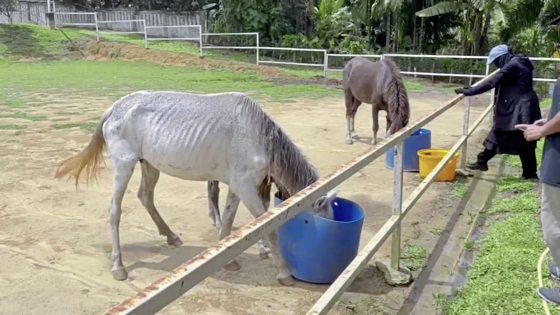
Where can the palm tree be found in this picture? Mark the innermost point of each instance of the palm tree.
(476, 15)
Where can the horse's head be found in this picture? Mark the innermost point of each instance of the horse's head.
(323, 206)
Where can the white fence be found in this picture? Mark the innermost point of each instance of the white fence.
(164, 291)
(244, 47)
(174, 33)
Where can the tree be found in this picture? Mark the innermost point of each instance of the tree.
(7, 8)
(476, 16)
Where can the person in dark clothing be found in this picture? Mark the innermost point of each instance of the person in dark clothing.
(515, 102)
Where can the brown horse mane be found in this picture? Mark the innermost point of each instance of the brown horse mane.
(397, 98)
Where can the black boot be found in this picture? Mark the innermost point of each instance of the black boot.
(482, 159)
(477, 166)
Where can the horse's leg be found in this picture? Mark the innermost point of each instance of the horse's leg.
(375, 117)
(356, 103)
(150, 176)
(388, 126)
(213, 204)
(124, 163)
(350, 113)
(248, 193)
(232, 203)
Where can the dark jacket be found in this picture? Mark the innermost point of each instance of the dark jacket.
(515, 100)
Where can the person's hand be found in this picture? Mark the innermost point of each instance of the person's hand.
(460, 90)
(464, 90)
(540, 122)
(532, 132)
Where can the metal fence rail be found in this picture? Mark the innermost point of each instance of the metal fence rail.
(132, 29)
(59, 20)
(244, 47)
(164, 291)
(322, 65)
(181, 37)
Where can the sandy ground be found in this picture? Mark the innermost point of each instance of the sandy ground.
(55, 240)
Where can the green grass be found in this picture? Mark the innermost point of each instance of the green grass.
(12, 127)
(117, 78)
(460, 190)
(503, 277)
(25, 116)
(34, 41)
(546, 103)
(414, 257)
(514, 185)
(437, 231)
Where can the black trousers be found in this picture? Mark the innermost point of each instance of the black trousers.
(528, 160)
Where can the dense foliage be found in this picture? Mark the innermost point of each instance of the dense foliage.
(466, 27)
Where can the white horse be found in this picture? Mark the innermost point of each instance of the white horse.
(222, 137)
(229, 215)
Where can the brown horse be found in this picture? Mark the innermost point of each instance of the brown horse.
(378, 84)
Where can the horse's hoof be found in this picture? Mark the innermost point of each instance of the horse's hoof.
(286, 280)
(232, 266)
(349, 141)
(120, 274)
(174, 241)
(355, 136)
(264, 255)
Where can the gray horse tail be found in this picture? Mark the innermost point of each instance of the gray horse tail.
(397, 98)
(91, 157)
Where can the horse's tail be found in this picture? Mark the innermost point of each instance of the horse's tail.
(399, 108)
(91, 157)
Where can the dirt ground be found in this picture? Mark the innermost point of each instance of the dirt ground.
(55, 240)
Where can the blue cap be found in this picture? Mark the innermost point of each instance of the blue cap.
(496, 52)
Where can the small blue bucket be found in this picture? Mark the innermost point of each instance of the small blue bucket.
(316, 249)
(420, 140)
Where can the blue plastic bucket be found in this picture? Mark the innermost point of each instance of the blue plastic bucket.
(316, 249)
(420, 140)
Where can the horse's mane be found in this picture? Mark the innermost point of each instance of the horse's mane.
(398, 106)
(289, 168)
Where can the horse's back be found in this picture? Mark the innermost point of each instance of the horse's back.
(362, 79)
(182, 134)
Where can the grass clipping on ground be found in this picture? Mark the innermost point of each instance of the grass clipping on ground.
(503, 278)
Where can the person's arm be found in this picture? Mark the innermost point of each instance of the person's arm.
(507, 70)
(535, 132)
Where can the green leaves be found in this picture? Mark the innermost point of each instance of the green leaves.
(443, 8)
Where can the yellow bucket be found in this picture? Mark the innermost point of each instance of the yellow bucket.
(429, 159)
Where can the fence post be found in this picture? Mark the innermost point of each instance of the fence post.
(466, 119)
(96, 26)
(145, 34)
(200, 39)
(258, 49)
(325, 63)
(397, 204)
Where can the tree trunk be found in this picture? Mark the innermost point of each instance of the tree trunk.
(420, 40)
(477, 30)
(465, 34)
(484, 38)
(414, 37)
(395, 32)
(368, 23)
(388, 33)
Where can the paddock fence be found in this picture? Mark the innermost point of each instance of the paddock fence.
(164, 291)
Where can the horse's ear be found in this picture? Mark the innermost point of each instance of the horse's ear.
(320, 203)
(325, 200)
(331, 195)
